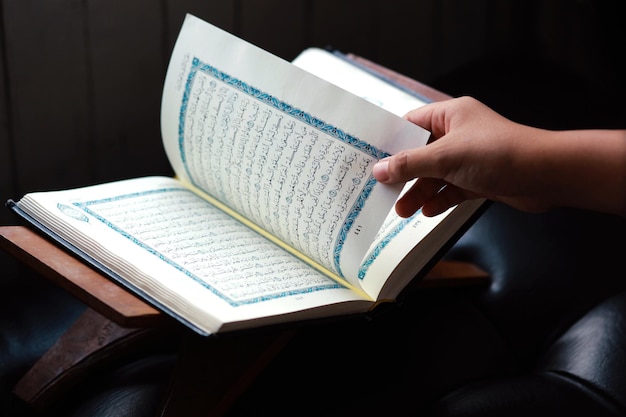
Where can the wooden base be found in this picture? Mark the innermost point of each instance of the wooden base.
(79, 279)
(91, 343)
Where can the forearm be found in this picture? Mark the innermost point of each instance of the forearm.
(586, 169)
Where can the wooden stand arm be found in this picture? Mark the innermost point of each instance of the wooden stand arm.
(89, 286)
(91, 343)
(391, 75)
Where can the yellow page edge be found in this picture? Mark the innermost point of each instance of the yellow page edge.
(215, 202)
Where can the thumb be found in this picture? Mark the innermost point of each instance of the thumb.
(409, 164)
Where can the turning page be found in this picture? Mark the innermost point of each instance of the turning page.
(280, 147)
(403, 246)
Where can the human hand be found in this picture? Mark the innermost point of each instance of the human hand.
(474, 152)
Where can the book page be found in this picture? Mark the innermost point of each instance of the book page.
(396, 239)
(405, 246)
(282, 147)
(331, 67)
(397, 236)
(183, 252)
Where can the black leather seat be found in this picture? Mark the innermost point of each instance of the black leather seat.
(559, 300)
(580, 374)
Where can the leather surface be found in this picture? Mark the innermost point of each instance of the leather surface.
(593, 350)
(535, 394)
(136, 389)
(547, 269)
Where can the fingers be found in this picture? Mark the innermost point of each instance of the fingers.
(381, 171)
(434, 117)
(414, 163)
(409, 164)
(420, 192)
(422, 116)
(447, 197)
(432, 196)
(435, 164)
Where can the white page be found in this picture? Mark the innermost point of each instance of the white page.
(191, 257)
(220, 61)
(346, 75)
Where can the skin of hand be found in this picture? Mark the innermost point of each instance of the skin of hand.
(475, 152)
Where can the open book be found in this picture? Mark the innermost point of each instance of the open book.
(273, 215)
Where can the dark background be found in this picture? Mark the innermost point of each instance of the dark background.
(80, 80)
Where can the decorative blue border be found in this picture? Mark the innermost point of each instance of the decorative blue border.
(85, 207)
(375, 252)
(290, 111)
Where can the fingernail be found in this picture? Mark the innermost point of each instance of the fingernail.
(381, 170)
